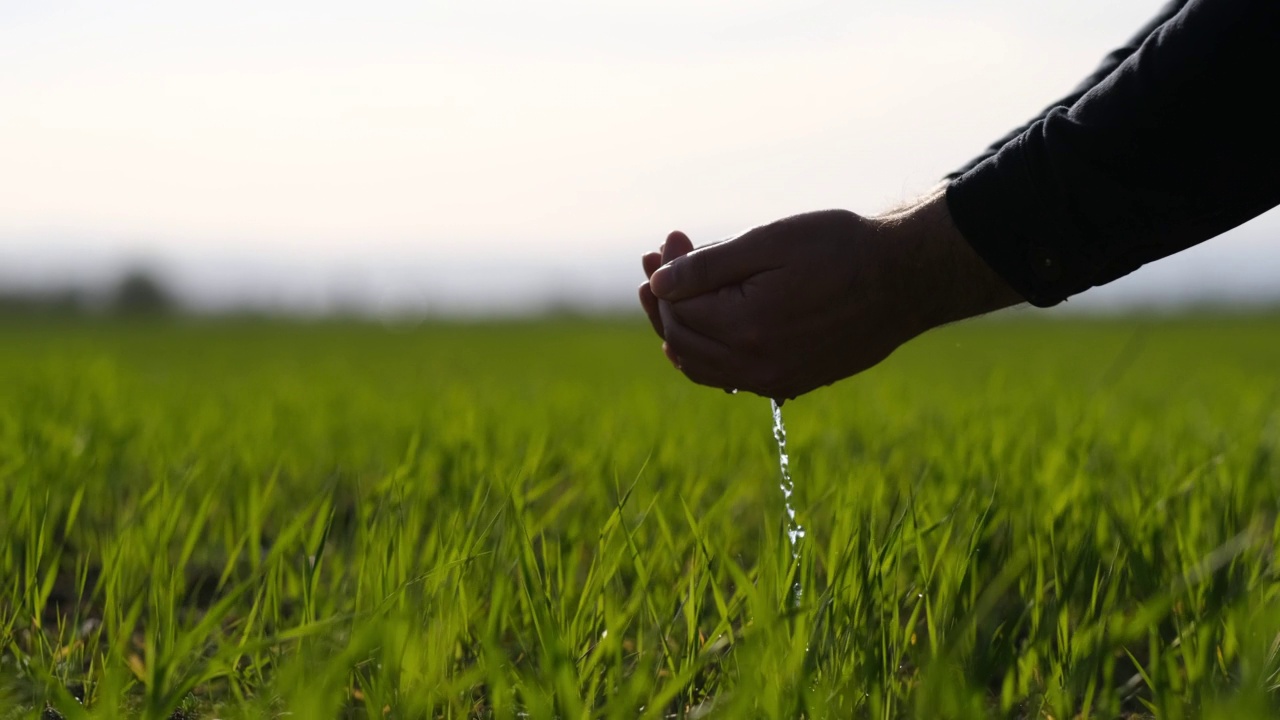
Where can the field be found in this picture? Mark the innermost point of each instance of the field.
(1019, 518)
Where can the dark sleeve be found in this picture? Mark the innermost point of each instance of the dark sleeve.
(1177, 144)
(1109, 63)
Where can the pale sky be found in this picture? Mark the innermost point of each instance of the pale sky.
(489, 154)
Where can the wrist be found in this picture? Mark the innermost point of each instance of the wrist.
(945, 280)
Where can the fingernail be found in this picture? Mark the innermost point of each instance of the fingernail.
(663, 280)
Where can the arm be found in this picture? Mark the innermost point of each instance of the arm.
(1176, 145)
(1105, 68)
(1173, 146)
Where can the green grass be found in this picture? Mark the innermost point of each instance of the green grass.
(1024, 518)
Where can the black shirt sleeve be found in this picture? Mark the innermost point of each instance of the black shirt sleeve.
(1174, 144)
(1109, 63)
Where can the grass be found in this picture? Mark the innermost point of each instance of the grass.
(1019, 518)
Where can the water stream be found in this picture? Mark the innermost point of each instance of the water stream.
(795, 531)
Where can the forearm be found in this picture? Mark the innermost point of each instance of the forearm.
(1100, 73)
(1176, 146)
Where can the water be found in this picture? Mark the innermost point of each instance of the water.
(795, 531)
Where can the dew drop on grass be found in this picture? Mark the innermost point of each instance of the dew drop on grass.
(795, 531)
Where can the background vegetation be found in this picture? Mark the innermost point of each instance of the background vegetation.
(1015, 518)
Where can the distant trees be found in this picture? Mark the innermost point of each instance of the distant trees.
(138, 293)
(51, 302)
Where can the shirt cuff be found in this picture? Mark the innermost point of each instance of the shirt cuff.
(995, 208)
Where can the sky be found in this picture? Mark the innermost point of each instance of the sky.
(499, 156)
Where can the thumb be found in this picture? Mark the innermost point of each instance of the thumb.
(710, 268)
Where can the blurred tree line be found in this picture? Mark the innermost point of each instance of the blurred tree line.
(138, 293)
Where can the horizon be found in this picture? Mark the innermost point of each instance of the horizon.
(488, 158)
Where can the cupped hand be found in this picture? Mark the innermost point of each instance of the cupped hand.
(800, 303)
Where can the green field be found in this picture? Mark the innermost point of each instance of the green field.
(1022, 518)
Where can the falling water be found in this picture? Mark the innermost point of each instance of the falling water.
(795, 531)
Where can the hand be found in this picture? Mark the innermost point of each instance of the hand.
(805, 301)
(677, 245)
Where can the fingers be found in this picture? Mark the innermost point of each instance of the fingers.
(712, 267)
(649, 302)
(722, 314)
(702, 359)
(695, 355)
(671, 355)
(677, 245)
(651, 261)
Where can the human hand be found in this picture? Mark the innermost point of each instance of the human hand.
(676, 245)
(803, 302)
